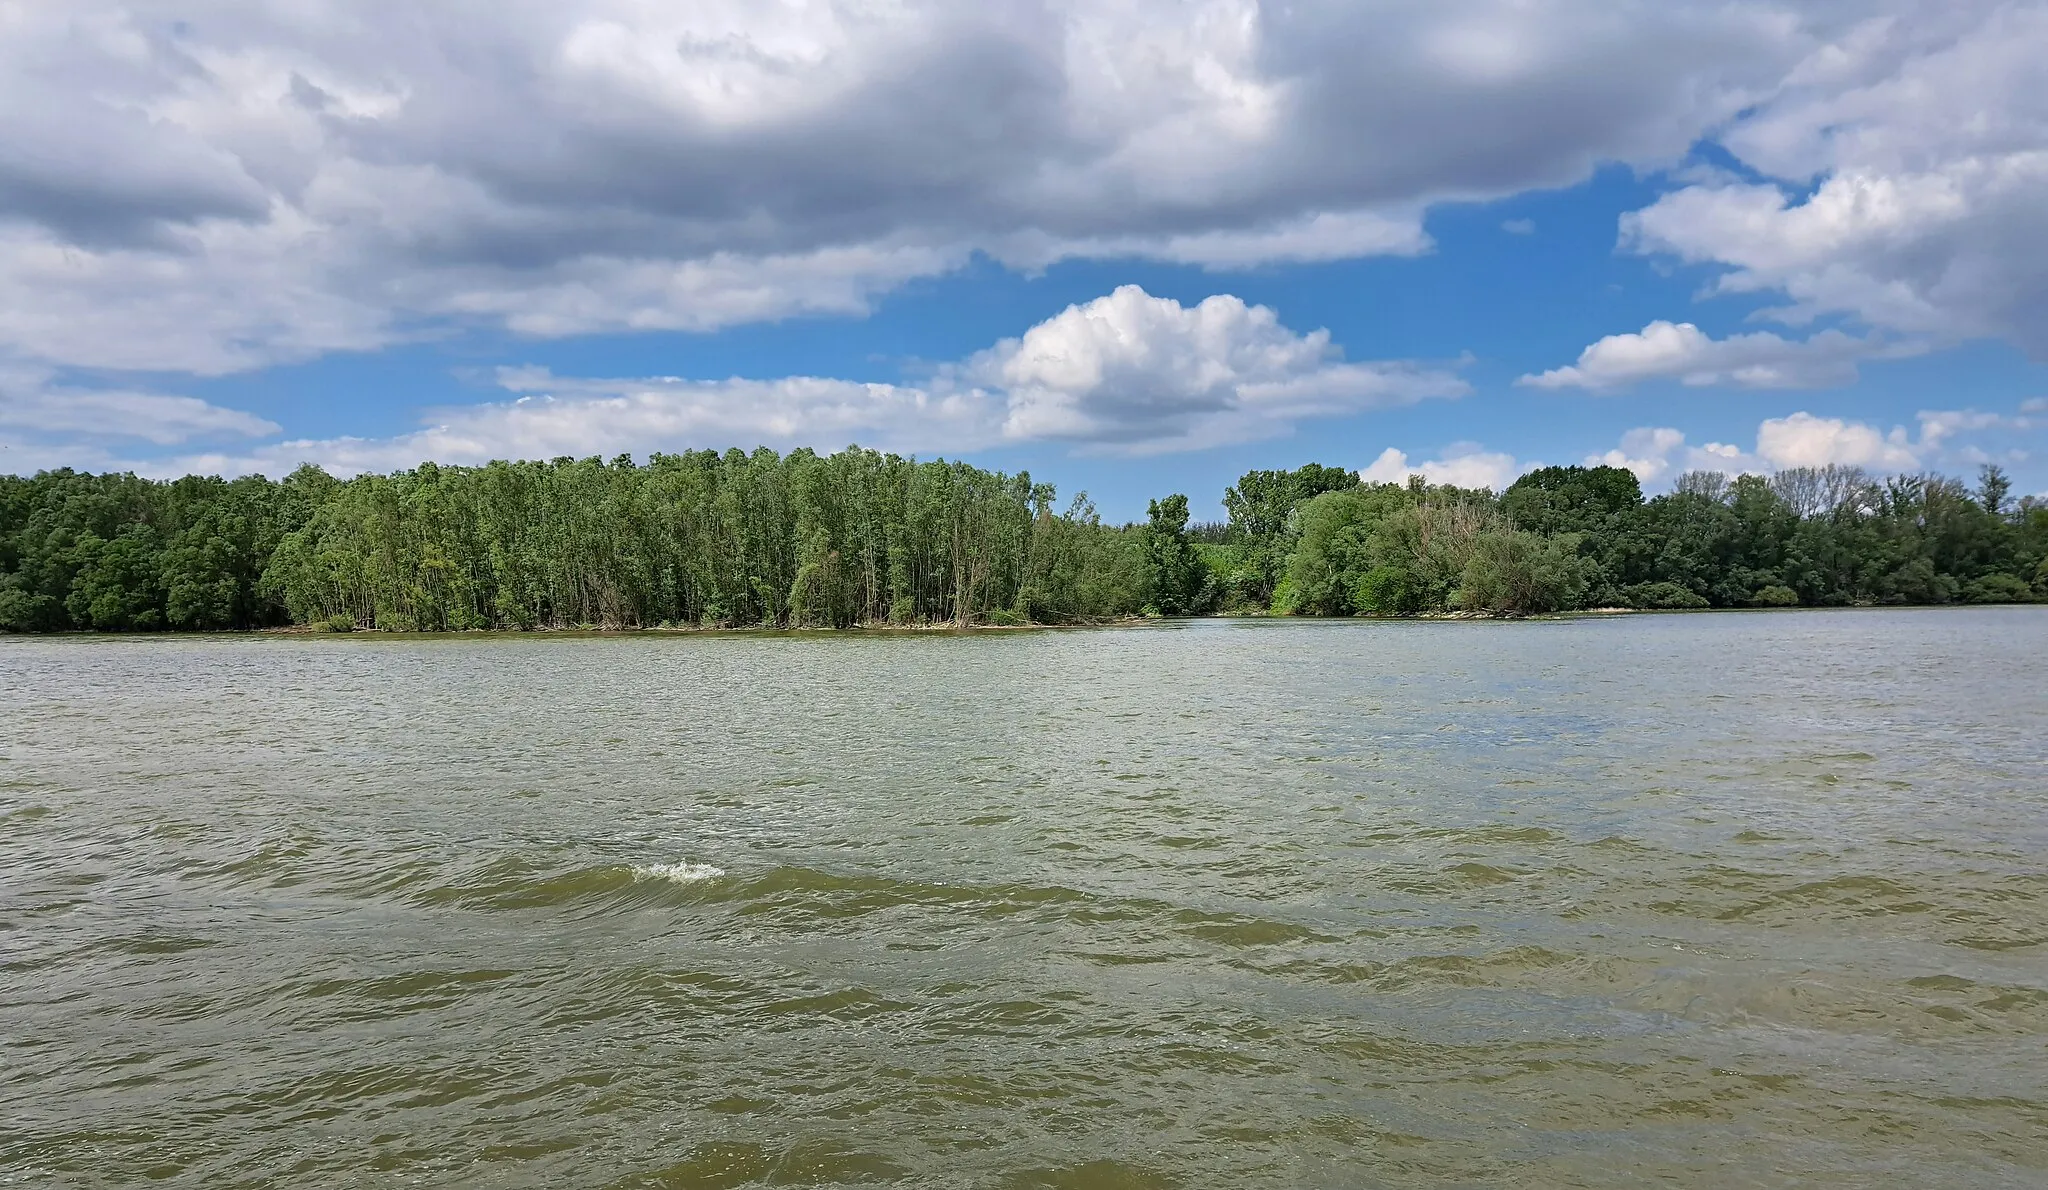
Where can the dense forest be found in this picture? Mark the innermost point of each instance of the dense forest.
(859, 538)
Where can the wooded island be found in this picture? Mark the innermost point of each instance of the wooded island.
(859, 538)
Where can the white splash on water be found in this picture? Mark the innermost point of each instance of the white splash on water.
(681, 872)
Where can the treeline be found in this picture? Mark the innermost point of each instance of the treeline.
(695, 539)
(861, 538)
(1314, 541)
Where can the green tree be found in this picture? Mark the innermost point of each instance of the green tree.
(1264, 523)
(1600, 505)
(860, 537)
(1174, 574)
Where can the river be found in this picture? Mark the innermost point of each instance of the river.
(1702, 900)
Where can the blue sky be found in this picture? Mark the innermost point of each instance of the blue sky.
(1664, 237)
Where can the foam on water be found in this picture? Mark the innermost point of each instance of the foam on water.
(680, 872)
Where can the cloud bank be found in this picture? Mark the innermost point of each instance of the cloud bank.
(1126, 374)
(1660, 453)
(229, 183)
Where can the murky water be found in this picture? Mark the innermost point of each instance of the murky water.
(1700, 900)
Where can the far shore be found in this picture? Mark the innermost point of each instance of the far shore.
(950, 629)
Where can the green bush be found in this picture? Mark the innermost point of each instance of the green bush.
(1003, 617)
(1386, 591)
(1287, 598)
(1661, 597)
(1998, 588)
(1775, 596)
(341, 623)
(23, 612)
(1515, 573)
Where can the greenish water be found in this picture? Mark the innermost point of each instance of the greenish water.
(1698, 900)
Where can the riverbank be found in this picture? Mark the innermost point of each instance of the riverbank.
(950, 629)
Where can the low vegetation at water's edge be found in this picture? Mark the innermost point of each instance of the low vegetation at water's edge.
(861, 538)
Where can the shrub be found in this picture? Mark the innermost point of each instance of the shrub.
(22, 612)
(1003, 617)
(341, 623)
(1775, 596)
(1287, 598)
(1999, 588)
(1386, 591)
(1517, 573)
(1661, 597)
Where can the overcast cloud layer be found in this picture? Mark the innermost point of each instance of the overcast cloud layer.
(218, 185)
(209, 186)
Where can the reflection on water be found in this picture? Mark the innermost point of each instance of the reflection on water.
(1711, 900)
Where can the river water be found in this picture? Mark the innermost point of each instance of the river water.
(1707, 900)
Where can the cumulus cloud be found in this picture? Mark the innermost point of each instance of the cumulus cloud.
(266, 181)
(1464, 464)
(1684, 353)
(1127, 373)
(1803, 440)
(1134, 372)
(1660, 453)
(1905, 161)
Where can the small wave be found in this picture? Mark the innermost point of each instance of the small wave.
(682, 872)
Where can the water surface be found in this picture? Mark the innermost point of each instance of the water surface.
(1702, 900)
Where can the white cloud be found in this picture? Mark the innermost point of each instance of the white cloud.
(1683, 352)
(264, 181)
(1939, 425)
(1464, 464)
(1321, 237)
(1660, 453)
(563, 416)
(26, 456)
(1645, 451)
(230, 297)
(153, 417)
(1127, 373)
(1926, 127)
(1803, 440)
(1134, 372)
(591, 295)
(62, 422)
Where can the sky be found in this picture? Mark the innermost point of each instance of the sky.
(1133, 246)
